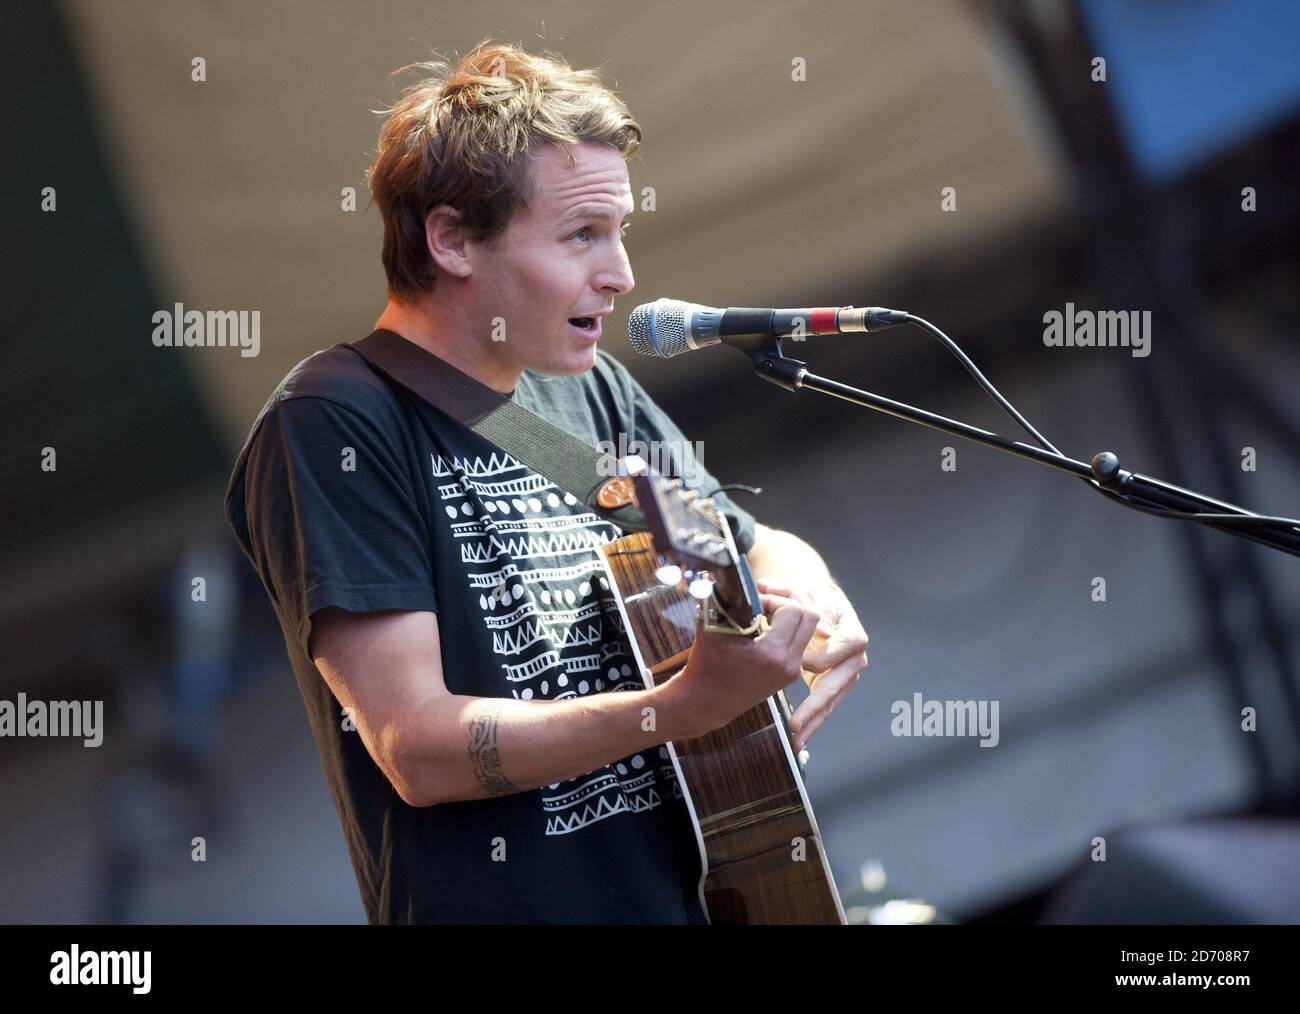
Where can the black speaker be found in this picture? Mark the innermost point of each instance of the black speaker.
(1221, 871)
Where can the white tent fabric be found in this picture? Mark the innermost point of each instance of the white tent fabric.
(766, 187)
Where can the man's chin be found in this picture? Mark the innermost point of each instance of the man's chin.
(572, 365)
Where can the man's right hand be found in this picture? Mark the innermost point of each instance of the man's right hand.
(727, 674)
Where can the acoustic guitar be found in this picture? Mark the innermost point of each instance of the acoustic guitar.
(761, 853)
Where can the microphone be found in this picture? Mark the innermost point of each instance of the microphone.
(669, 327)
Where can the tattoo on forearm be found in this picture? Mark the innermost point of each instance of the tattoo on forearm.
(483, 752)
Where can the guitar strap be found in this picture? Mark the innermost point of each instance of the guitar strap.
(539, 444)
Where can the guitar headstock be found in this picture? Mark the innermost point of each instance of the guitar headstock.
(694, 543)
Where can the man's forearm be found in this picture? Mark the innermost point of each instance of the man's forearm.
(478, 747)
(785, 559)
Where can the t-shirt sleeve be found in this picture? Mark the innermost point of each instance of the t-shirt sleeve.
(650, 423)
(332, 516)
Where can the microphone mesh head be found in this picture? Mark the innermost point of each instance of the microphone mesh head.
(659, 328)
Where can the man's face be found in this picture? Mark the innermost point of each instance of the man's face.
(561, 257)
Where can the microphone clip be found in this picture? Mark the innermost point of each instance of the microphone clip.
(769, 361)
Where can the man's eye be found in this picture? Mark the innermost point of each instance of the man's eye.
(586, 229)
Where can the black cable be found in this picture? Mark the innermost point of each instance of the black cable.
(971, 368)
(1126, 500)
(737, 486)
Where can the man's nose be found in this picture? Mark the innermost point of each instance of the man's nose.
(619, 278)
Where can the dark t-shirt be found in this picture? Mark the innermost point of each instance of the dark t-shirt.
(354, 493)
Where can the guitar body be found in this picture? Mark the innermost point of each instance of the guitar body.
(761, 852)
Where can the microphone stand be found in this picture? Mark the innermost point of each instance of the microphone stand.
(1140, 492)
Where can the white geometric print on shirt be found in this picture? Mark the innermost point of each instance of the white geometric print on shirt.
(531, 555)
(600, 796)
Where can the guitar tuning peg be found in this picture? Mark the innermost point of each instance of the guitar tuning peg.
(669, 574)
(700, 588)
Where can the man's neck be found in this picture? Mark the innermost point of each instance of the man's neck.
(448, 336)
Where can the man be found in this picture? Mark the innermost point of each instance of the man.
(444, 606)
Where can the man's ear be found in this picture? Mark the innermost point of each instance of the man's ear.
(445, 239)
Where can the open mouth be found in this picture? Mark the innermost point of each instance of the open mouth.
(588, 324)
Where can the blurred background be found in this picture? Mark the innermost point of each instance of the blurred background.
(971, 162)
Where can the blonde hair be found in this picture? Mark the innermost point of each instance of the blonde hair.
(464, 136)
